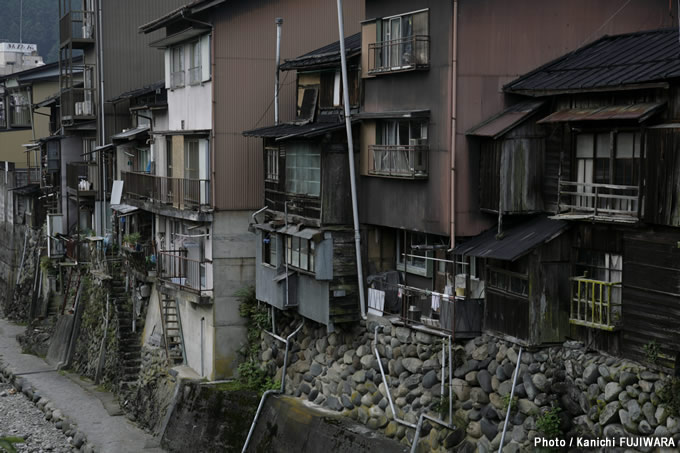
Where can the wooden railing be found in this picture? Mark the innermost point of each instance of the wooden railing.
(182, 193)
(411, 52)
(604, 200)
(175, 268)
(593, 303)
(403, 161)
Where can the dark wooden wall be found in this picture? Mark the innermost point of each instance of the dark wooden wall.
(651, 293)
(662, 194)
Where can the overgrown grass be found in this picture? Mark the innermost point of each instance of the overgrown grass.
(251, 375)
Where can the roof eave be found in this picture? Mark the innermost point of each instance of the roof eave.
(609, 88)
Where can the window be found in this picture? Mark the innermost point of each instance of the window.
(601, 160)
(330, 91)
(601, 266)
(269, 249)
(300, 253)
(3, 118)
(403, 43)
(143, 161)
(89, 144)
(191, 157)
(272, 156)
(507, 281)
(168, 157)
(195, 63)
(177, 67)
(596, 289)
(303, 169)
(19, 108)
(401, 149)
(412, 257)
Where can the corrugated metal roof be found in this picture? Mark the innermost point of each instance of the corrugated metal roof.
(610, 62)
(160, 85)
(502, 122)
(131, 134)
(328, 55)
(639, 112)
(288, 130)
(517, 240)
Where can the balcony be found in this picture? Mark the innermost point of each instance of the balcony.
(402, 54)
(82, 178)
(77, 104)
(77, 28)
(593, 303)
(181, 193)
(176, 269)
(399, 161)
(605, 202)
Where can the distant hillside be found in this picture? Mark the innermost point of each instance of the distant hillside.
(40, 25)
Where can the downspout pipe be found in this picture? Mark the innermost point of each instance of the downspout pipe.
(453, 81)
(352, 172)
(279, 23)
(276, 391)
(512, 395)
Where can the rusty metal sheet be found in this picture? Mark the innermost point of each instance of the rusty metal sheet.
(502, 122)
(638, 112)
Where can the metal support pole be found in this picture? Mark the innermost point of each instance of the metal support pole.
(350, 149)
(512, 394)
(279, 22)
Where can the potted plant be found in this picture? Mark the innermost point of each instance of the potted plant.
(130, 240)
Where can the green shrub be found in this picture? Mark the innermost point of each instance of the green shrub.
(548, 424)
(7, 443)
(651, 351)
(670, 395)
(512, 404)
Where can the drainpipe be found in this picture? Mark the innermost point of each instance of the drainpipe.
(453, 77)
(279, 22)
(512, 394)
(102, 122)
(269, 392)
(350, 149)
(285, 260)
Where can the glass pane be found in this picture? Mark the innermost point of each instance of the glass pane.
(603, 141)
(296, 252)
(624, 145)
(395, 32)
(304, 254)
(273, 244)
(584, 145)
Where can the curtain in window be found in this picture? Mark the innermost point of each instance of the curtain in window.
(303, 169)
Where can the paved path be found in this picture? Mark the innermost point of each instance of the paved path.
(107, 433)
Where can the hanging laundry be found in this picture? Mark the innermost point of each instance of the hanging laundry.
(376, 302)
(435, 301)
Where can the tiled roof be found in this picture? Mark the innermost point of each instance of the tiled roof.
(611, 62)
(328, 55)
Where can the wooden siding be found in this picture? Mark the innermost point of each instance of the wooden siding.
(662, 202)
(336, 196)
(243, 77)
(556, 160)
(651, 294)
(490, 174)
(343, 289)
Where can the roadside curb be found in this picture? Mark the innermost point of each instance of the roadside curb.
(61, 421)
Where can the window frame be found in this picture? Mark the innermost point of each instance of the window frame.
(272, 163)
(293, 255)
(192, 149)
(195, 63)
(389, 47)
(177, 67)
(408, 263)
(270, 249)
(295, 181)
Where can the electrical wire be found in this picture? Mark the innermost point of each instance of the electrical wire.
(605, 22)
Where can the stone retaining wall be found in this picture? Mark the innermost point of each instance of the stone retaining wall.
(596, 395)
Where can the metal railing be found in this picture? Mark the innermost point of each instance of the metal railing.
(78, 103)
(606, 200)
(195, 75)
(594, 303)
(20, 115)
(82, 176)
(182, 193)
(78, 25)
(174, 267)
(411, 52)
(177, 79)
(403, 161)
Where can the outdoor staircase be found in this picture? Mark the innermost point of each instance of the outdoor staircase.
(130, 348)
(172, 330)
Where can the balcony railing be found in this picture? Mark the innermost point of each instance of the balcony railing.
(177, 79)
(182, 193)
(82, 177)
(594, 303)
(20, 115)
(600, 200)
(402, 54)
(77, 27)
(78, 104)
(402, 161)
(175, 268)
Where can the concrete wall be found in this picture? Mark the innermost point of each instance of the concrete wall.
(233, 255)
(199, 349)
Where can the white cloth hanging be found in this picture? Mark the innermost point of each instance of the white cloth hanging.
(435, 301)
(376, 302)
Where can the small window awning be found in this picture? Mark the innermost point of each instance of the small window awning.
(131, 134)
(28, 189)
(639, 112)
(124, 209)
(178, 37)
(506, 120)
(517, 240)
(394, 114)
(295, 230)
(99, 148)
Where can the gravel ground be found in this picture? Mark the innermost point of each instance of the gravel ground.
(21, 418)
